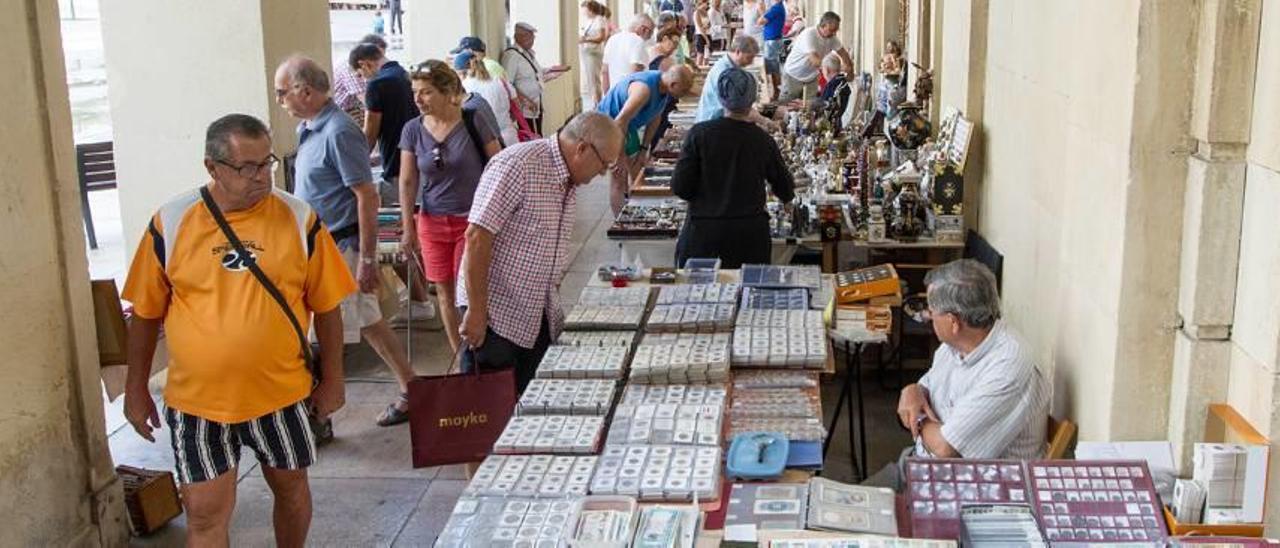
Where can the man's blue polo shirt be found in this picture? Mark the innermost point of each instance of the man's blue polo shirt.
(775, 17)
(333, 156)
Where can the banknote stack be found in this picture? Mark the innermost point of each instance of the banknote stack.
(604, 527)
(764, 506)
(666, 423)
(583, 362)
(667, 527)
(840, 507)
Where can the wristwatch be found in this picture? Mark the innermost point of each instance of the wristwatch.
(367, 260)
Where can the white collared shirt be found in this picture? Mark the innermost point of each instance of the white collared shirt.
(993, 403)
(524, 72)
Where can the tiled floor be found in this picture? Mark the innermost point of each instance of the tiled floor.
(365, 491)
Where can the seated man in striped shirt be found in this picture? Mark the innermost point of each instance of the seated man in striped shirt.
(984, 397)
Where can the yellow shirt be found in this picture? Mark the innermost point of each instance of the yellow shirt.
(233, 354)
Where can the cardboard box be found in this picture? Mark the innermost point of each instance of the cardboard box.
(1225, 425)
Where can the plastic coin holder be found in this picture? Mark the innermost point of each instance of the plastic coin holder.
(614, 296)
(774, 379)
(678, 424)
(758, 298)
(567, 397)
(781, 276)
(776, 402)
(680, 362)
(793, 319)
(557, 434)
(597, 338)
(585, 317)
(635, 394)
(795, 429)
(583, 362)
(652, 473)
(699, 294)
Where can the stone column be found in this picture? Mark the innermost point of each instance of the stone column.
(168, 83)
(1221, 112)
(960, 81)
(59, 484)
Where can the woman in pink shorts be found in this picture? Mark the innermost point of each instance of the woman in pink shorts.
(442, 153)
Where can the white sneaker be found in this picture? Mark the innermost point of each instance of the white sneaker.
(423, 314)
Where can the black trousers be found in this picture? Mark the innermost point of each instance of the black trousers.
(499, 353)
(535, 124)
(735, 242)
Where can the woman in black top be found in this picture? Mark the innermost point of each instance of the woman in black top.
(724, 164)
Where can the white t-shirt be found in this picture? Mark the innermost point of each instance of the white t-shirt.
(750, 23)
(718, 23)
(807, 42)
(621, 52)
(495, 92)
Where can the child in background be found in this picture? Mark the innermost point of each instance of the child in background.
(379, 25)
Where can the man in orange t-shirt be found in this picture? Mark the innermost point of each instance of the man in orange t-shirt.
(236, 374)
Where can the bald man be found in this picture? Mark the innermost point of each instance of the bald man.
(636, 104)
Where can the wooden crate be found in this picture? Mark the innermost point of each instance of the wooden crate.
(151, 497)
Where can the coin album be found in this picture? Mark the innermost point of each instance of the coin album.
(635, 394)
(567, 397)
(835, 506)
(614, 296)
(776, 402)
(767, 506)
(769, 378)
(659, 472)
(795, 429)
(584, 317)
(556, 434)
(774, 347)
(583, 362)
(532, 476)
(781, 276)
(597, 338)
(713, 293)
(666, 423)
(515, 522)
(691, 318)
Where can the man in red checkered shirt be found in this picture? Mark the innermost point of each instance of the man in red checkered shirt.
(517, 243)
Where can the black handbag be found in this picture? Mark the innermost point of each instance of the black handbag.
(322, 428)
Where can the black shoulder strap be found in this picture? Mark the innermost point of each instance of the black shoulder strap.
(526, 58)
(252, 264)
(469, 120)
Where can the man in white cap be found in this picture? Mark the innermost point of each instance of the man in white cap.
(524, 72)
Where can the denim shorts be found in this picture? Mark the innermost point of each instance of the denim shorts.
(773, 56)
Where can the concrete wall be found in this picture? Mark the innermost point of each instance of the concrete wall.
(167, 85)
(56, 476)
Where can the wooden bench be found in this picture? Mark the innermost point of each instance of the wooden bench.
(96, 166)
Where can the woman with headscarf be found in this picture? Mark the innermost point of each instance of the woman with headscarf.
(723, 167)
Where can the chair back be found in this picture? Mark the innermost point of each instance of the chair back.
(96, 165)
(1061, 438)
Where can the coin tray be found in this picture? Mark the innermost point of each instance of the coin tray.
(760, 298)
(555, 434)
(659, 472)
(635, 394)
(597, 338)
(691, 318)
(583, 362)
(567, 397)
(780, 276)
(936, 488)
(534, 476)
(774, 347)
(682, 362)
(764, 378)
(584, 317)
(781, 319)
(776, 403)
(794, 428)
(1096, 501)
(614, 296)
(514, 522)
(666, 423)
(714, 293)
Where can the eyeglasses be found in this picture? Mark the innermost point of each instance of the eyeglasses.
(596, 151)
(436, 158)
(280, 93)
(250, 170)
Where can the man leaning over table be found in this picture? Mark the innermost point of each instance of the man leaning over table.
(984, 397)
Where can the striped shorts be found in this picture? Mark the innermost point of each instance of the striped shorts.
(205, 449)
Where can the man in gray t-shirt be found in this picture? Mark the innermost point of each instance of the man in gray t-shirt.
(332, 174)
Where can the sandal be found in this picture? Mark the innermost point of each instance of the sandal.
(392, 415)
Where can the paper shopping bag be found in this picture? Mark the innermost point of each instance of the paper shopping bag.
(456, 418)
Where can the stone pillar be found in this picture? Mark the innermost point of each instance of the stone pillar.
(59, 484)
(959, 81)
(1221, 112)
(432, 28)
(169, 82)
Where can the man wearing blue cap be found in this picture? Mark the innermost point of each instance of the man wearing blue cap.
(476, 46)
(723, 167)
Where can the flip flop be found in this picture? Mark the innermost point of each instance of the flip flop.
(392, 415)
